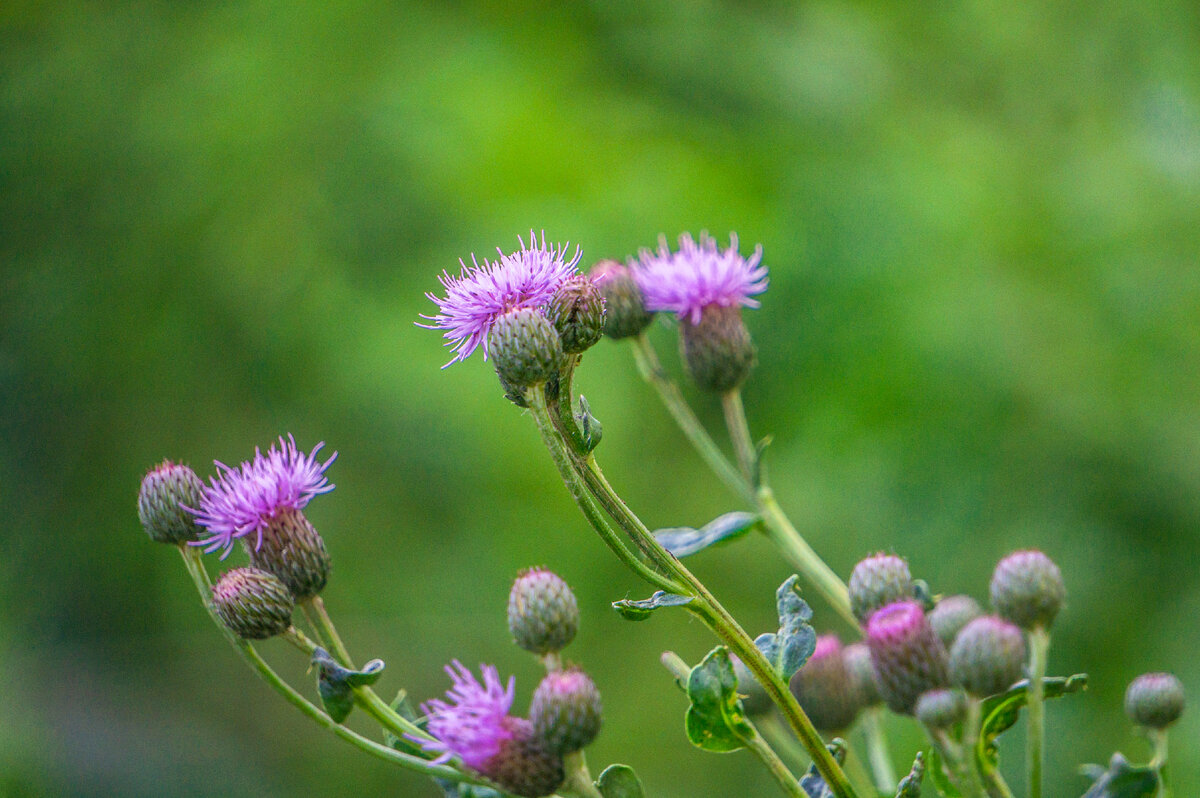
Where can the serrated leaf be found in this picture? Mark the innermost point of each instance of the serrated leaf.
(641, 609)
(812, 782)
(715, 721)
(1123, 780)
(683, 540)
(619, 781)
(336, 683)
(910, 785)
(589, 426)
(939, 776)
(1001, 711)
(794, 643)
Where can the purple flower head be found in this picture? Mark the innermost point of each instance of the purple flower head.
(474, 724)
(698, 276)
(241, 501)
(479, 295)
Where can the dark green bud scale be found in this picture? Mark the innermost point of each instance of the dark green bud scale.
(566, 711)
(293, 551)
(1027, 589)
(165, 492)
(625, 313)
(876, 581)
(543, 615)
(717, 349)
(252, 603)
(577, 312)
(1154, 700)
(524, 765)
(525, 348)
(988, 656)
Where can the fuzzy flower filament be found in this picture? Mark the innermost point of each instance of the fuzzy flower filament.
(699, 276)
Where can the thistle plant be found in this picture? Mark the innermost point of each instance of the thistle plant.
(783, 694)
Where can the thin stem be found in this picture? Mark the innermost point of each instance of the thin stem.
(652, 371)
(967, 766)
(561, 406)
(578, 781)
(203, 585)
(758, 746)
(739, 432)
(1158, 738)
(1039, 648)
(877, 751)
(781, 739)
(856, 772)
(325, 625)
(308, 617)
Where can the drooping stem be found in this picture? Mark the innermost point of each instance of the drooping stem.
(1039, 647)
(882, 770)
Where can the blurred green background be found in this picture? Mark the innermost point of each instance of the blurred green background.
(218, 220)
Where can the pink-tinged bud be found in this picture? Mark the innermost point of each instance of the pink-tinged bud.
(293, 551)
(252, 603)
(862, 673)
(166, 493)
(988, 656)
(1027, 589)
(577, 312)
(543, 614)
(909, 658)
(951, 614)
(625, 313)
(1154, 700)
(941, 709)
(824, 687)
(878, 580)
(566, 711)
(525, 348)
(523, 765)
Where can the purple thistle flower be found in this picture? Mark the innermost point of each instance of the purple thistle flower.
(699, 276)
(241, 501)
(474, 724)
(479, 295)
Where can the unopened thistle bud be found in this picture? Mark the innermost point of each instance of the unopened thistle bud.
(878, 580)
(543, 615)
(1027, 589)
(166, 493)
(909, 658)
(717, 349)
(524, 765)
(988, 656)
(941, 709)
(824, 687)
(625, 313)
(525, 348)
(1154, 700)
(566, 711)
(862, 673)
(754, 696)
(577, 312)
(253, 604)
(292, 550)
(951, 614)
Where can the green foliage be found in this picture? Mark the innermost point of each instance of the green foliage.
(715, 720)
(1000, 712)
(1122, 780)
(683, 541)
(796, 640)
(938, 775)
(335, 683)
(641, 609)
(619, 781)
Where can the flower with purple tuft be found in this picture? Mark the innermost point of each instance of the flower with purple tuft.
(479, 295)
(243, 501)
(699, 276)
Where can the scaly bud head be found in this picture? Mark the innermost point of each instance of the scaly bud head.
(951, 614)
(577, 312)
(625, 313)
(988, 656)
(566, 711)
(862, 673)
(167, 490)
(824, 688)
(1154, 700)
(293, 551)
(543, 615)
(525, 348)
(1027, 589)
(941, 709)
(878, 580)
(907, 655)
(253, 604)
(717, 349)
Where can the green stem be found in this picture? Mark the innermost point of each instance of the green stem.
(652, 371)
(203, 585)
(781, 739)
(877, 751)
(312, 624)
(758, 746)
(1158, 738)
(578, 782)
(561, 406)
(968, 765)
(324, 624)
(739, 433)
(1039, 647)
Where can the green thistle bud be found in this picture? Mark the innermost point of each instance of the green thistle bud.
(293, 551)
(824, 688)
(566, 711)
(754, 696)
(524, 765)
(253, 604)
(862, 673)
(166, 490)
(878, 580)
(1154, 700)
(941, 709)
(717, 349)
(625, 313)
(988, 656)
(1027, 589)
(525, 348)
(543, 615)
(951, 614)
(577, 312)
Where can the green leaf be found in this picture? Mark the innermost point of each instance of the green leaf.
(1001, 711)
(812, 782)
(589, 426)
(910, 785)
(759, 474)
(335, 683)
(682, 541)
(640, 610)
(939, 776)
(715, 720)
(1122, 780)
(619, 781)
(403, 708)
(795, 641)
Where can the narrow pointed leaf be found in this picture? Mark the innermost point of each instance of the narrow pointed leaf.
(683, 541)
(589, 426)
(641, 609)
(1001, 711)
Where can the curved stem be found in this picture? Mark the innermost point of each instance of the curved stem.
(578, 783)
(739, 433)
(1039, 648)
(882, 770)
(324, 624)
(758, 746)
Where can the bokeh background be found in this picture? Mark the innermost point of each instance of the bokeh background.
(218, 221)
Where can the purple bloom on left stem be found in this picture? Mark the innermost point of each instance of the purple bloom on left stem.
(479, 295)
(242, 501)
(474, 723)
